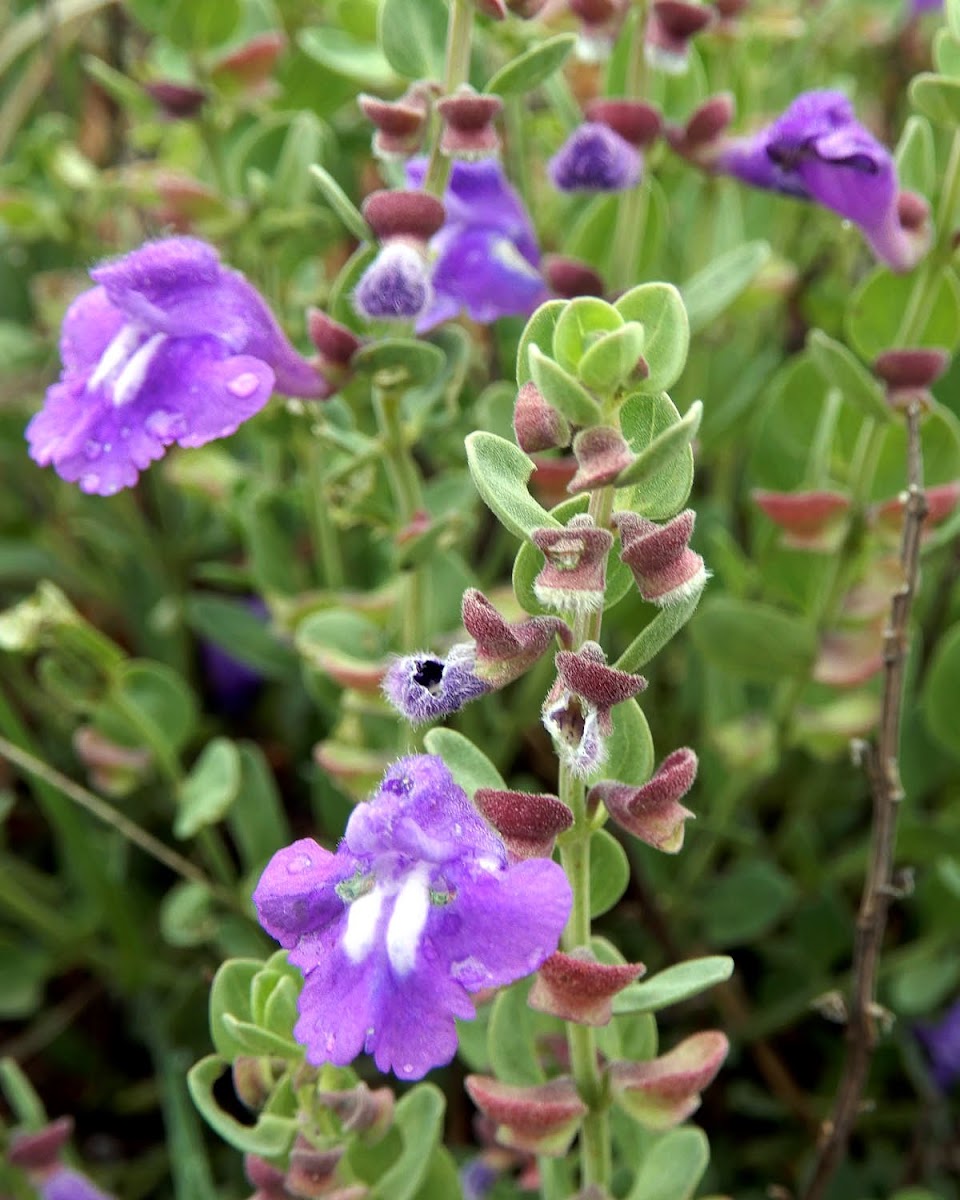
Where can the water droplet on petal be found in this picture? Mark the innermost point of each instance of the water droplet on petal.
(302, 862)
(89, 482)
(330, 1042)
(92, 449)
(165, 425)
(125, 432)
(107, 447)
(407, 1068)
(243, 385)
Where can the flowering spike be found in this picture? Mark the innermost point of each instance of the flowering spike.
(396, 285)
(636, 122)
(671, 27)
(423, 687)
(171, 346)
(652, 812)
(573, 577)
(569, 277)
(809, 520)
(601, 454)
(418, 908)
(503, 651)
(537, 425)
(576, 711)
(666, 570)
(528, 822)
(577, 988)
(666, 1090)
(541, 1119)
(595, 159)
(468, 130)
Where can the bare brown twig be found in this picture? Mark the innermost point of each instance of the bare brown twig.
(880, 760)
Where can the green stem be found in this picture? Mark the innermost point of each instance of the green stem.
(626, 237)
(326, 538)
(459, 32)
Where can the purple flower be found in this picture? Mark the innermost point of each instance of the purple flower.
(486, 259)
(424, 686)
(396, 285)
(942, 1041)
(65, 1184)
(232, 683)
(817, 150)
(922, 6)
(417, 908)
(595, 158)
(171, 346)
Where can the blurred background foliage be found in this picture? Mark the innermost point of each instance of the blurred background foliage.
(118, 613)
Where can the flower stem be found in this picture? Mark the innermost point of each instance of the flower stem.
(626, 236)
(459, 32)
(325, 536)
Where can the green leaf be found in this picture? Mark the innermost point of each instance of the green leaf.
(531, 68)
(676, 983)
(940, 690)
(946, 54)
(538, 331)
(150, 705)
(611, 362)
(561, 390)
(419, 1117)
(346, 55)
(673, 1166)
(754, 641)
(119, 87)
(643, 419)
(230, 993)
(469, 766)
(510, 1038)
(656, 633)
(500, 472)
(188, 916)
(630, 746)
(199, 24)
(341, 204)
(582, 321)
(916, 155)
(242, 633)
(842, 370)
(664, 448)
(659, 308)
(952, 11)
(442, 1180)
(874, 313)
(399, 362)
(270, 1137)
(208, 791)
(746, 902)
(936, 97)
(609, 872)
(302, 145)
(529, 562)
(925, 980)
(412, 35)
(714, 288)
(256, 1040)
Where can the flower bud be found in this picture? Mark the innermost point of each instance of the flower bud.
(666, 570)
(537, 425)
(423, 687)
(664, 1091)
(573, 577)
(361, 1110)
(251, 65)
(542, 1119)
(909, 374)
(670, 28)
(503, 651)
(403, 213)
(253, 1080)
(601, 453)
(312, 1172)
(569, 277)
(595, 159)
(637, 123)
(575, 987)
(528, 822)
(335, 342)
(400, 124)
(652, 811)
(177, 101)
(600, 24)
(942, 500)
(39, 1150)
(468, 130)
(848, 658)
(809, 520)
(113, 768)
(267, 1179)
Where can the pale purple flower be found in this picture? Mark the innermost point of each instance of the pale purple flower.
(595, 158)
(942, 1042)
(424, 686)
(417, 908)
(486, 261)
(396, 285)
(62, 1183)
(817, 150)
(171, 346)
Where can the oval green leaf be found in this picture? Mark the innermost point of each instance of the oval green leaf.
(531, 68)
(659, 308)
(500, 471)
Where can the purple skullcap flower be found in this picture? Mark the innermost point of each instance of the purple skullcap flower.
(65, 1184)
(417, 908)
(423, 686)
(485, 258)
(595, 159)
(817, 150)
(171, 346)
(942, 1042)
(396, 285)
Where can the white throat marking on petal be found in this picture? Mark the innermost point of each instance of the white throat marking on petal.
(407, 921)
(119, 348)
(363, 916)
(131, 378)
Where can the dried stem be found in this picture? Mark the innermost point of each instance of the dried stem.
(881, 764)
